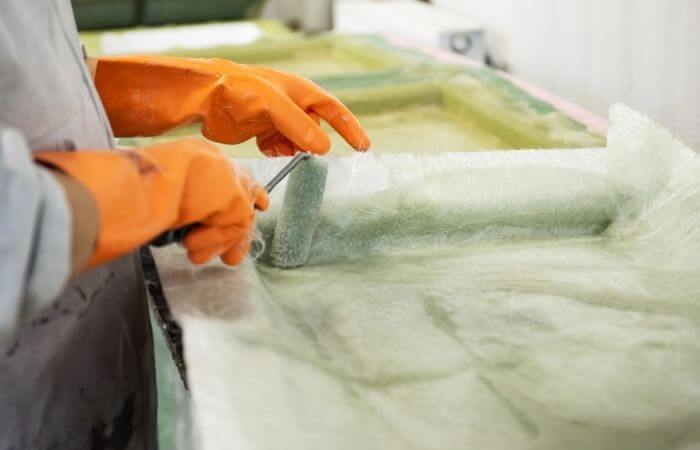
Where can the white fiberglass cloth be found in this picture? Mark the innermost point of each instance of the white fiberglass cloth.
(504, 301)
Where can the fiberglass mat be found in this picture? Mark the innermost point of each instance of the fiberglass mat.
(521, 305)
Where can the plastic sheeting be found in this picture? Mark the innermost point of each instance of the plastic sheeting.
(503, 300)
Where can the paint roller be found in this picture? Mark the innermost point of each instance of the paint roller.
(296, 223)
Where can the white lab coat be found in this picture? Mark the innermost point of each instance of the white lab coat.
(76, 358)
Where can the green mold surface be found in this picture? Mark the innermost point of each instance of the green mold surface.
(316, 57)
(428, 117)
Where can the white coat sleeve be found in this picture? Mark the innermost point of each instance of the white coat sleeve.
(35, 234)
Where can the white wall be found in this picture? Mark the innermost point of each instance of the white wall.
(310, 15)
(283, 10)
(645, 53)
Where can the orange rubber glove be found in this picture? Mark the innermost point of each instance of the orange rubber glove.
(143, 193)
(149, 95)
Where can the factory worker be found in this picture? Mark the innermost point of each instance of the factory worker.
(76, 362)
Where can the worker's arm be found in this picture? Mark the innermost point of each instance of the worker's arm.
(76, 210)
(149, 95)
(35, 234)
(85, 221)
(139, 194)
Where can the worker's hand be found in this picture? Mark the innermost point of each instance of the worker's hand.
(148, 95)
(143, 193)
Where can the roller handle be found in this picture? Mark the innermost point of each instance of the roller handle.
(177, 235)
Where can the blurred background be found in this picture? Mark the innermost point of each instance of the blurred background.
(645, 53)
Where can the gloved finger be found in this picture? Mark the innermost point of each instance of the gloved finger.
(342, 120)
(241, 208)
(236, 253)
(298, 127)
(265, 146)
(242, 214)
(275, 144)
(264, 143)
(212, 237)
(203, 256)
(257, 192)
(270, 153)
(237, 241)
(313, 98)
(262, 200)
(232, 125)
(251, 120)
(218, 128)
